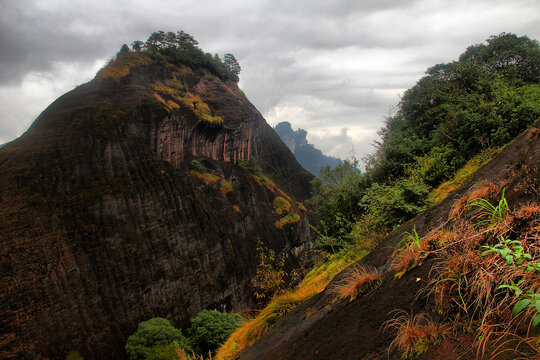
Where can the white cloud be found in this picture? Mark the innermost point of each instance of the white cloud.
(22, 103)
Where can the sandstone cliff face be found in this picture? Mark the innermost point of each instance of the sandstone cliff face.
(104, 223)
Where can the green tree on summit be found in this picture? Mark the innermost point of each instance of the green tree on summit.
(232, 64)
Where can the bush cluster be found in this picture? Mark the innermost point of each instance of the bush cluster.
(157, 339)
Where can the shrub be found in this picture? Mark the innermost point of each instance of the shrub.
(269, 279)
(409, 256)
(156, 332)
(490, 282)
(211, 328)
(164, 352)
(197, 166)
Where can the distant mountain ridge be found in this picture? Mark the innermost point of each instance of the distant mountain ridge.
(311, 158)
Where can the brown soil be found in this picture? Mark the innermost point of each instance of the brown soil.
(355, 330)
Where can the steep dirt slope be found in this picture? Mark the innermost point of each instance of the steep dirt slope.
(106, 222)
(326, 329)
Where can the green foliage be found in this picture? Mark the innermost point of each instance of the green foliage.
(329, 244)
(336, 198)
(151, 337)
(455, 112)
(163, 352)
(530, 299)
(393, 205)
(410, 237)
(514, 57)
(232, 64)
(291, 218)
(491, 214)
(436, 166)
(211, 328)
(270, 277)
(510, 250)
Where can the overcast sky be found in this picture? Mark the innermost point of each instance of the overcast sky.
(335, 68)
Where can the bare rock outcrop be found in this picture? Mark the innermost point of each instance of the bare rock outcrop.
(105, 221)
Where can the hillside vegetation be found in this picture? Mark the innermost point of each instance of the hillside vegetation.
(458, 111)
(457, 117)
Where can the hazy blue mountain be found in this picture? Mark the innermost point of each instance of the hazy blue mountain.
(311, 158)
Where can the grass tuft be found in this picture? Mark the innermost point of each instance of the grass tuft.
(359, 280)
(415, 334)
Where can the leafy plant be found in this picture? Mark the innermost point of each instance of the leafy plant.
(514, 254)
(250, 165)
(410, 237)
(525, 300)
(491, 214)
(510, 250)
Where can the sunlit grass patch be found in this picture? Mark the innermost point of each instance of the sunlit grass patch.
(207, 178)
(121, 66)
(291, 218)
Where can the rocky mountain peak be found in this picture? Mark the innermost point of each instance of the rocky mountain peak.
(129, 198)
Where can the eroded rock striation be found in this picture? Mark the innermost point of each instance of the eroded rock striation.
(106, 220)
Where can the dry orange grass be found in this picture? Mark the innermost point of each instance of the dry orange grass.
(359, 280)
(414, 251)
(415, 334)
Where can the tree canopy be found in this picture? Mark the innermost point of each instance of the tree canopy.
(211, 328)
(181, 48)
(153, 336)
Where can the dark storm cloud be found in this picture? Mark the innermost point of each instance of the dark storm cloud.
(322, 65)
